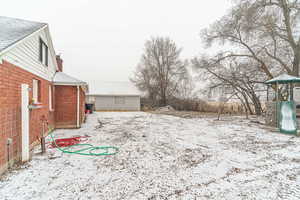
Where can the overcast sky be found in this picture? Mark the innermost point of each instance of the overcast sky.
(104, 39)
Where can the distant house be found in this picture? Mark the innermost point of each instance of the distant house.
(223, 93)
(35, 95)
(114, 96)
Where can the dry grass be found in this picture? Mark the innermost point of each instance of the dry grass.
(191, 114)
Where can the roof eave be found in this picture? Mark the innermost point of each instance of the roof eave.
(70, 84)
(282, 82)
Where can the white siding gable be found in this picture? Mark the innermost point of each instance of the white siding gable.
(25, 54)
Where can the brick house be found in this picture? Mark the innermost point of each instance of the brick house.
(35, 95)
(69, 99)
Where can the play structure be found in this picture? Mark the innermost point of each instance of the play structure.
(285, 107)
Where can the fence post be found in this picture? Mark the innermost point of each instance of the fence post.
(25, 122)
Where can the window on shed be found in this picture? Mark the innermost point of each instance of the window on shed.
(119, 100)
(43, 56)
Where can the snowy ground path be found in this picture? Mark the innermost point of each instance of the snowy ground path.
(164, 157)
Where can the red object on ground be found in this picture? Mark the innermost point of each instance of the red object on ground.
(65, 142)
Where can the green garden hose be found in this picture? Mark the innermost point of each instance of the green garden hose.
(87, 149)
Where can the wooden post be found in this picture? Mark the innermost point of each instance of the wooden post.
(277, 92)
(267, 93)
(292, 92)
(43, 142)
(277, 115)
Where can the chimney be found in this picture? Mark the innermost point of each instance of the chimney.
(59, 63)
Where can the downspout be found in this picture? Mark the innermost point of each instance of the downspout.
(78, 99)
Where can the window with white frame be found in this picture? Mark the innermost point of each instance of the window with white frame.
(35, 90)
(50, 98)
(43, 55)
(119, 100)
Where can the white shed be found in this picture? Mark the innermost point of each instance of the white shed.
(114, 96)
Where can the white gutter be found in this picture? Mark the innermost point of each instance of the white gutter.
(68, 83)
(78, 99)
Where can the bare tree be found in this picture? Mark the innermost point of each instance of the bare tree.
(265, 31)
(263, 40)
(145, 81)
(160, 70)
(241, 76)
(185, 87)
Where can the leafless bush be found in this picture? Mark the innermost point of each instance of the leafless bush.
(186, 104)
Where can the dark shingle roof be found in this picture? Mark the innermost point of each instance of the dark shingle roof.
(13, 30)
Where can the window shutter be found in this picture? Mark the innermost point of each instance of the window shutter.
(41, 50)
(46, 51)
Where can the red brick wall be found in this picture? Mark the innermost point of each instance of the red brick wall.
(66, 106)
(11, 78)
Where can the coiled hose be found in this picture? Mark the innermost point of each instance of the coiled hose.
(87, 149)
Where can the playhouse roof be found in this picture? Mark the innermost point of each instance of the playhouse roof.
(284, 78)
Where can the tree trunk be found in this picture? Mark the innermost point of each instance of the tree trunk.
(247, 104)
(296, 62)
(221, 109)
(257, 105)
(163, 101)
(244, 105)
(257, 109)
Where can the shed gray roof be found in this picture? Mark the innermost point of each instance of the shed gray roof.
(110, 88)
(13, 30)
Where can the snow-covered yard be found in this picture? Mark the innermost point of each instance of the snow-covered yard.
(165, 157)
